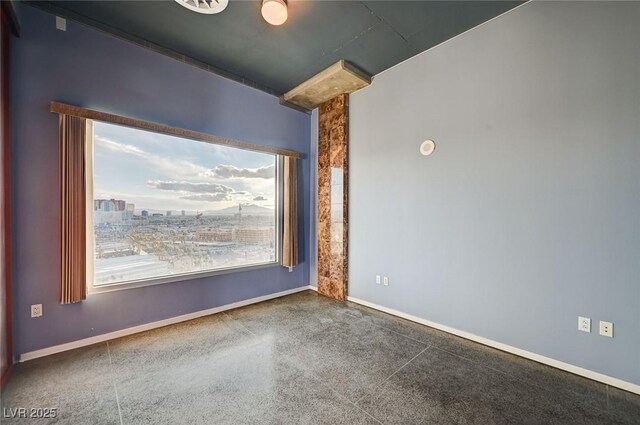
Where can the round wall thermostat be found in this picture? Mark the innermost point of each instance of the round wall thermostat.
(427, 147)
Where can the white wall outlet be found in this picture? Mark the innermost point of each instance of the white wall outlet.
(378, 279)
(36, 310)
(385, 280)
(584, 324)
(606, 329)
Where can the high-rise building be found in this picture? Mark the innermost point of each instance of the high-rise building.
(129, 210)
(168, 213)
(104, 205)
(144, 213)
(108, 205)
(183, 214)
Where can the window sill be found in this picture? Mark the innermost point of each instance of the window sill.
(176, 278)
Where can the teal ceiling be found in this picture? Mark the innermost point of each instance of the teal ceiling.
(238, 43)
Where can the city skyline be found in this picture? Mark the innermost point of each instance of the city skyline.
(159, 172)
(123, 204)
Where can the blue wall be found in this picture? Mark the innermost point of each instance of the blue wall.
(528, 213)
(88, 68)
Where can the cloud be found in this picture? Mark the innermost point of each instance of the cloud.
(184, 169)
(176, 186)
(197, 191)
(168, 166)
(229, 171)
(117, 147)
(259, 198)
(210, 197)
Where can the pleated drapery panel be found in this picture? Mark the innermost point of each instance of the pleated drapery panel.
(290, 198)
(73, 209)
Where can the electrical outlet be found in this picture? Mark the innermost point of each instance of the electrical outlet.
(606, 329)
(385, 280)
(36, 310)
(584, 324)
(378, 279)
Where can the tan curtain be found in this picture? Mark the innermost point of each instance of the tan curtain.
(290, 231)
(73, 208)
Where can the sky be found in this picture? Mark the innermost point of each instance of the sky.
(166, 173)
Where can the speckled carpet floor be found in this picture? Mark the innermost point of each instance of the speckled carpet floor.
(305, 359)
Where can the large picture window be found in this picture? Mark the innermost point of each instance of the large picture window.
(164, 207)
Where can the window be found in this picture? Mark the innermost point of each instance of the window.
(165, 208)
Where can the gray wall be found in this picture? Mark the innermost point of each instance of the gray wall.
(528, 213)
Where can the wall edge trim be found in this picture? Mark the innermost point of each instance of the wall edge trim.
(567, 367)
(152, 325)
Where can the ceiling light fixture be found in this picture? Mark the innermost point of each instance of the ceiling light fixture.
(274, 11)
(208, 7)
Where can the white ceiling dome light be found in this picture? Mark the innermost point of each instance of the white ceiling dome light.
(208, 7)
(427, 147)
(274, 11)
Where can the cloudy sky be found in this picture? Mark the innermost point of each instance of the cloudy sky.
(159, 172)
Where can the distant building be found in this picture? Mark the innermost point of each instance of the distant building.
(144, 213)
(183, 214)
(108, 205)
(157, 215)
(105, 205)
(214, 235)
(111, 211)
(168, 213)
(255, 235)
(129, 209)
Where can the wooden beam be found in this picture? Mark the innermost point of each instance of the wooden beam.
(61, 108)
(340, 78)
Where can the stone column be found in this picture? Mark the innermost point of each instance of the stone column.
(333, 129)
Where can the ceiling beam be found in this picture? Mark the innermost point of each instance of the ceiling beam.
(340, 78)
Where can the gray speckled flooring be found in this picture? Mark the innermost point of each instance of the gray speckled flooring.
(305, 359)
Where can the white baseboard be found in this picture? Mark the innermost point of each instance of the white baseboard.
(605, 379)
(596, 376)
(153, 325)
